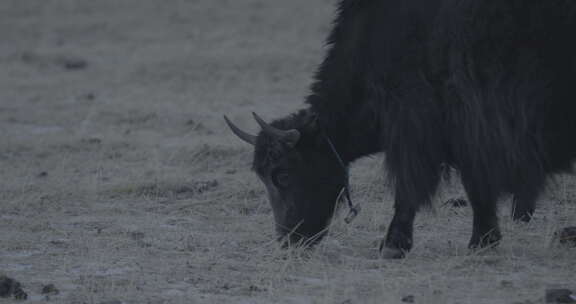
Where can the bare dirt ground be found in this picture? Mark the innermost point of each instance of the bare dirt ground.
(119, 182)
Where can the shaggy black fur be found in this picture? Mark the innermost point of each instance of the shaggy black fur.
(484, 86)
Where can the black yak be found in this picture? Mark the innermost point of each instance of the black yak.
(484, 86)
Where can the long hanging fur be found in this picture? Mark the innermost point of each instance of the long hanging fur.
(485, 86)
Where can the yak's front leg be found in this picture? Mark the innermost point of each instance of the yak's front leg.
(399, 237)
(409, 196)
(526, 193)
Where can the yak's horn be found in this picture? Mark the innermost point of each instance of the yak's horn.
(249, 138)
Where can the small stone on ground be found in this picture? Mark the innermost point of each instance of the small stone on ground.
(560, 296)
(11, 288)
(567, 236)
(50, 289)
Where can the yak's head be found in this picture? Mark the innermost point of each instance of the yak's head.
(301, 173)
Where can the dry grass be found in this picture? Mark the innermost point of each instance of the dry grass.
(119, 180)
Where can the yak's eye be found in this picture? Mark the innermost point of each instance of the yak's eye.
(281, 178)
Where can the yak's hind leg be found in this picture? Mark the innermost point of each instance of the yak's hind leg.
(525, 195)
(524, 205)
(485, 230)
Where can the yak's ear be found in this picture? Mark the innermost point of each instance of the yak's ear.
(289, 137)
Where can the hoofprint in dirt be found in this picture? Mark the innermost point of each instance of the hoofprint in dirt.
(120, 182)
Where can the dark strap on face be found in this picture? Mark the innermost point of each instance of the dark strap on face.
(354, 210)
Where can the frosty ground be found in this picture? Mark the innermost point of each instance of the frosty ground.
(120, 182)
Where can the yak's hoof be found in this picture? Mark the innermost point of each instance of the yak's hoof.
(392, 253)
(522, 216)
(396, 244)
(487, 240)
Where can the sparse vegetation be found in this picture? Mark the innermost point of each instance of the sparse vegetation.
(120, 183)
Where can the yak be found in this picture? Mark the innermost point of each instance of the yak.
(487, 87)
